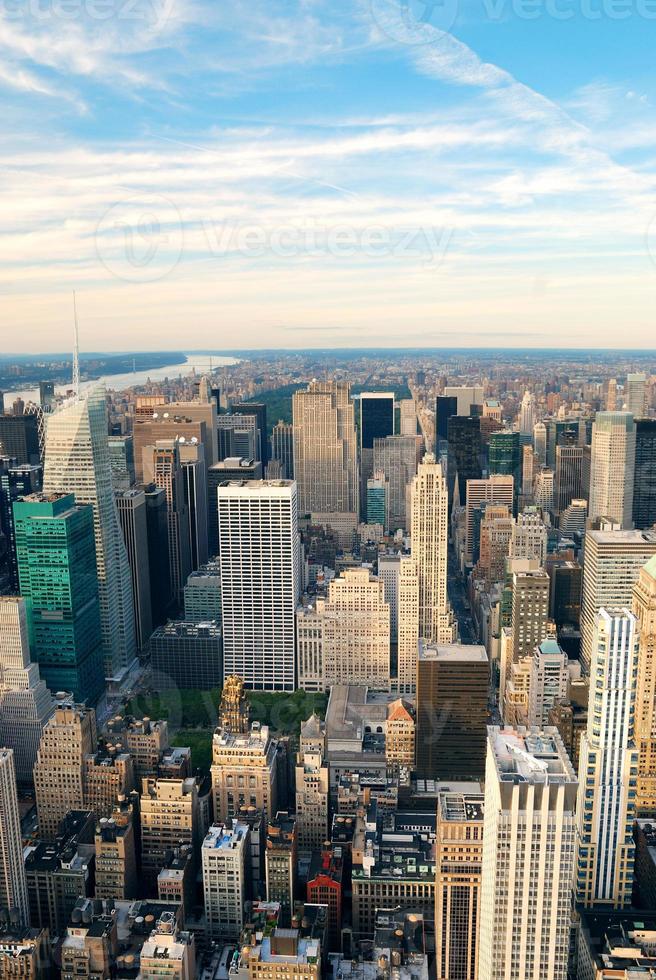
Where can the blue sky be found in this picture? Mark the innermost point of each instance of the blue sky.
(304, 173)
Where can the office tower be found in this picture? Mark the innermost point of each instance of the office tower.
(312, 786)
(376, 508)
(543, 493)
(408, 626)
(446, 406)
(121, 462)
(68, 737)
(325, 449)
(163, 427)
(260, 575)
(573, 518)
(58, 578)
(376, 422)
(496, 532)
(13, 884)
(132, 516)
(505, 456)
(611, 395)
(15, 482)
(282, 448)
(494, 490)
(458, 862)
(280, 858)
(530, 609)
(194, 481)
(355, 631)
(540, 442)
(635, 395)
(232, 468)
(612, 467)
(223, 858)
(258, 409)
(529, 832)
(158, 553)
(548, 681)
(146, 740)
(176, 413)
(168, 476)
(309, 646)
(611, 568)
(170, 818)
(644, 609)
(565, 594)
(568, 478)
(77, 462)
(528, 473)
(388, 572)
(609, 766)
(408, 417)
(108, 776)
(527, 414)
(397, 457)
(239, 435)
(244, 772)
(466, 397)
(59, 872)
(169, 951)
(187, 655)
(429, 531)
(116, 863)
(529, 536)
(464, 455)
(26, 704)
(234, 707)
(19, 439)
(644, 481)
(46, 395)
(452, 710)
(202, 594)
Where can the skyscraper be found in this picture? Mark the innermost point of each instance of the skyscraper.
(13, 883)
(529, 834)
(258, 409)
(635, 394)
(429, 531)
(568, 479)
(644, 609)
(26, 704)
(540, 442)
(527, 414)
(58, 578)
(612, 467)
(356, 631)
(494, 490)
(464, 449)
(282, 447)
(325, 449)
(505, 457)
(194, 481)
(466, 396)
(644, 480)
(376, 417)
(68, 737)
(408, 626)
(609, 766)
(132, 515)
(15, 482)
(158, 553)
(260, 576)
(77, 461)
(168, 476)
(398, 457)
(446, 406)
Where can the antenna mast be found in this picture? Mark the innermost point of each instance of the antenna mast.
(76, 352)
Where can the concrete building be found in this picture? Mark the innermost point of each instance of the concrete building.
(144, 738)
(452, 710)
(612, 468)
(282, 448)
(223, 859)
(398, 458)
(232, 468)
(169, 952)
(529, 835)
(408, 627)
(494, 490)
(24, 953)
(458, 862)
(280, 858)
(312, 785)
(529, 536)
(261, 581)
(116, 862)
(616, 945)
(170, 818)
(59, 872)
(13, 883)
(356, 631)
(202, 594)
(131, 508)
(187, 655)
(609, 766)
(466, 395)
(59, 784)
(635, 394)
(429, 531)
(108, 776)
(548, 681)
(644, 609)
(389, 566)
(244, 772)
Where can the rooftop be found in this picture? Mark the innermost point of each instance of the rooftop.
(461, 807)
(530, 755)
(220, 837)
(462, 652)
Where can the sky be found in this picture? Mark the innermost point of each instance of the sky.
(296, 173)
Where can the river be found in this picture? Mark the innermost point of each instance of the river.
(199, 363)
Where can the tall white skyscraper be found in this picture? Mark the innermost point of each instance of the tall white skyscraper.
(635, 395)
(26, 704)
(612, 464)
(260, 576)
(408, 626)
(325, 449)
(77, 461)
(529, 838)
(527, 414)
(13, 883)
(223, 856)
(540, 442)
(608, 766)
(429, 523)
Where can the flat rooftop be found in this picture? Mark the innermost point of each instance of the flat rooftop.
(463, 652)
(530, 755)
(461, 807)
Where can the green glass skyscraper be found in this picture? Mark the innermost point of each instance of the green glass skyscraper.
(56, 555)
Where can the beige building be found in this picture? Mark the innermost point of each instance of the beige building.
(59, 773)
(400, 735)
(169, 953)
(408, 627)
(644, 609)
(496, 489)
(312, 785)
(116, 863)
(356, 631)
(325, 449)
(309, 646)
(429, 532)
(169, 818)
(529, 536)
(496, 533)
(611, 467)
(108, 775)
(244, 772)
(25, 954)
(280, 859)
(13, 883)
(530, 610)
(144, 739)
(458, 862)
(529, 834)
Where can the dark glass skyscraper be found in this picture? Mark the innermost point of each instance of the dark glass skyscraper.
(644, 482)
(505, 457)
(258, 409)
(464, 441)
(376, 417)
(446, 406)
(15, 482)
